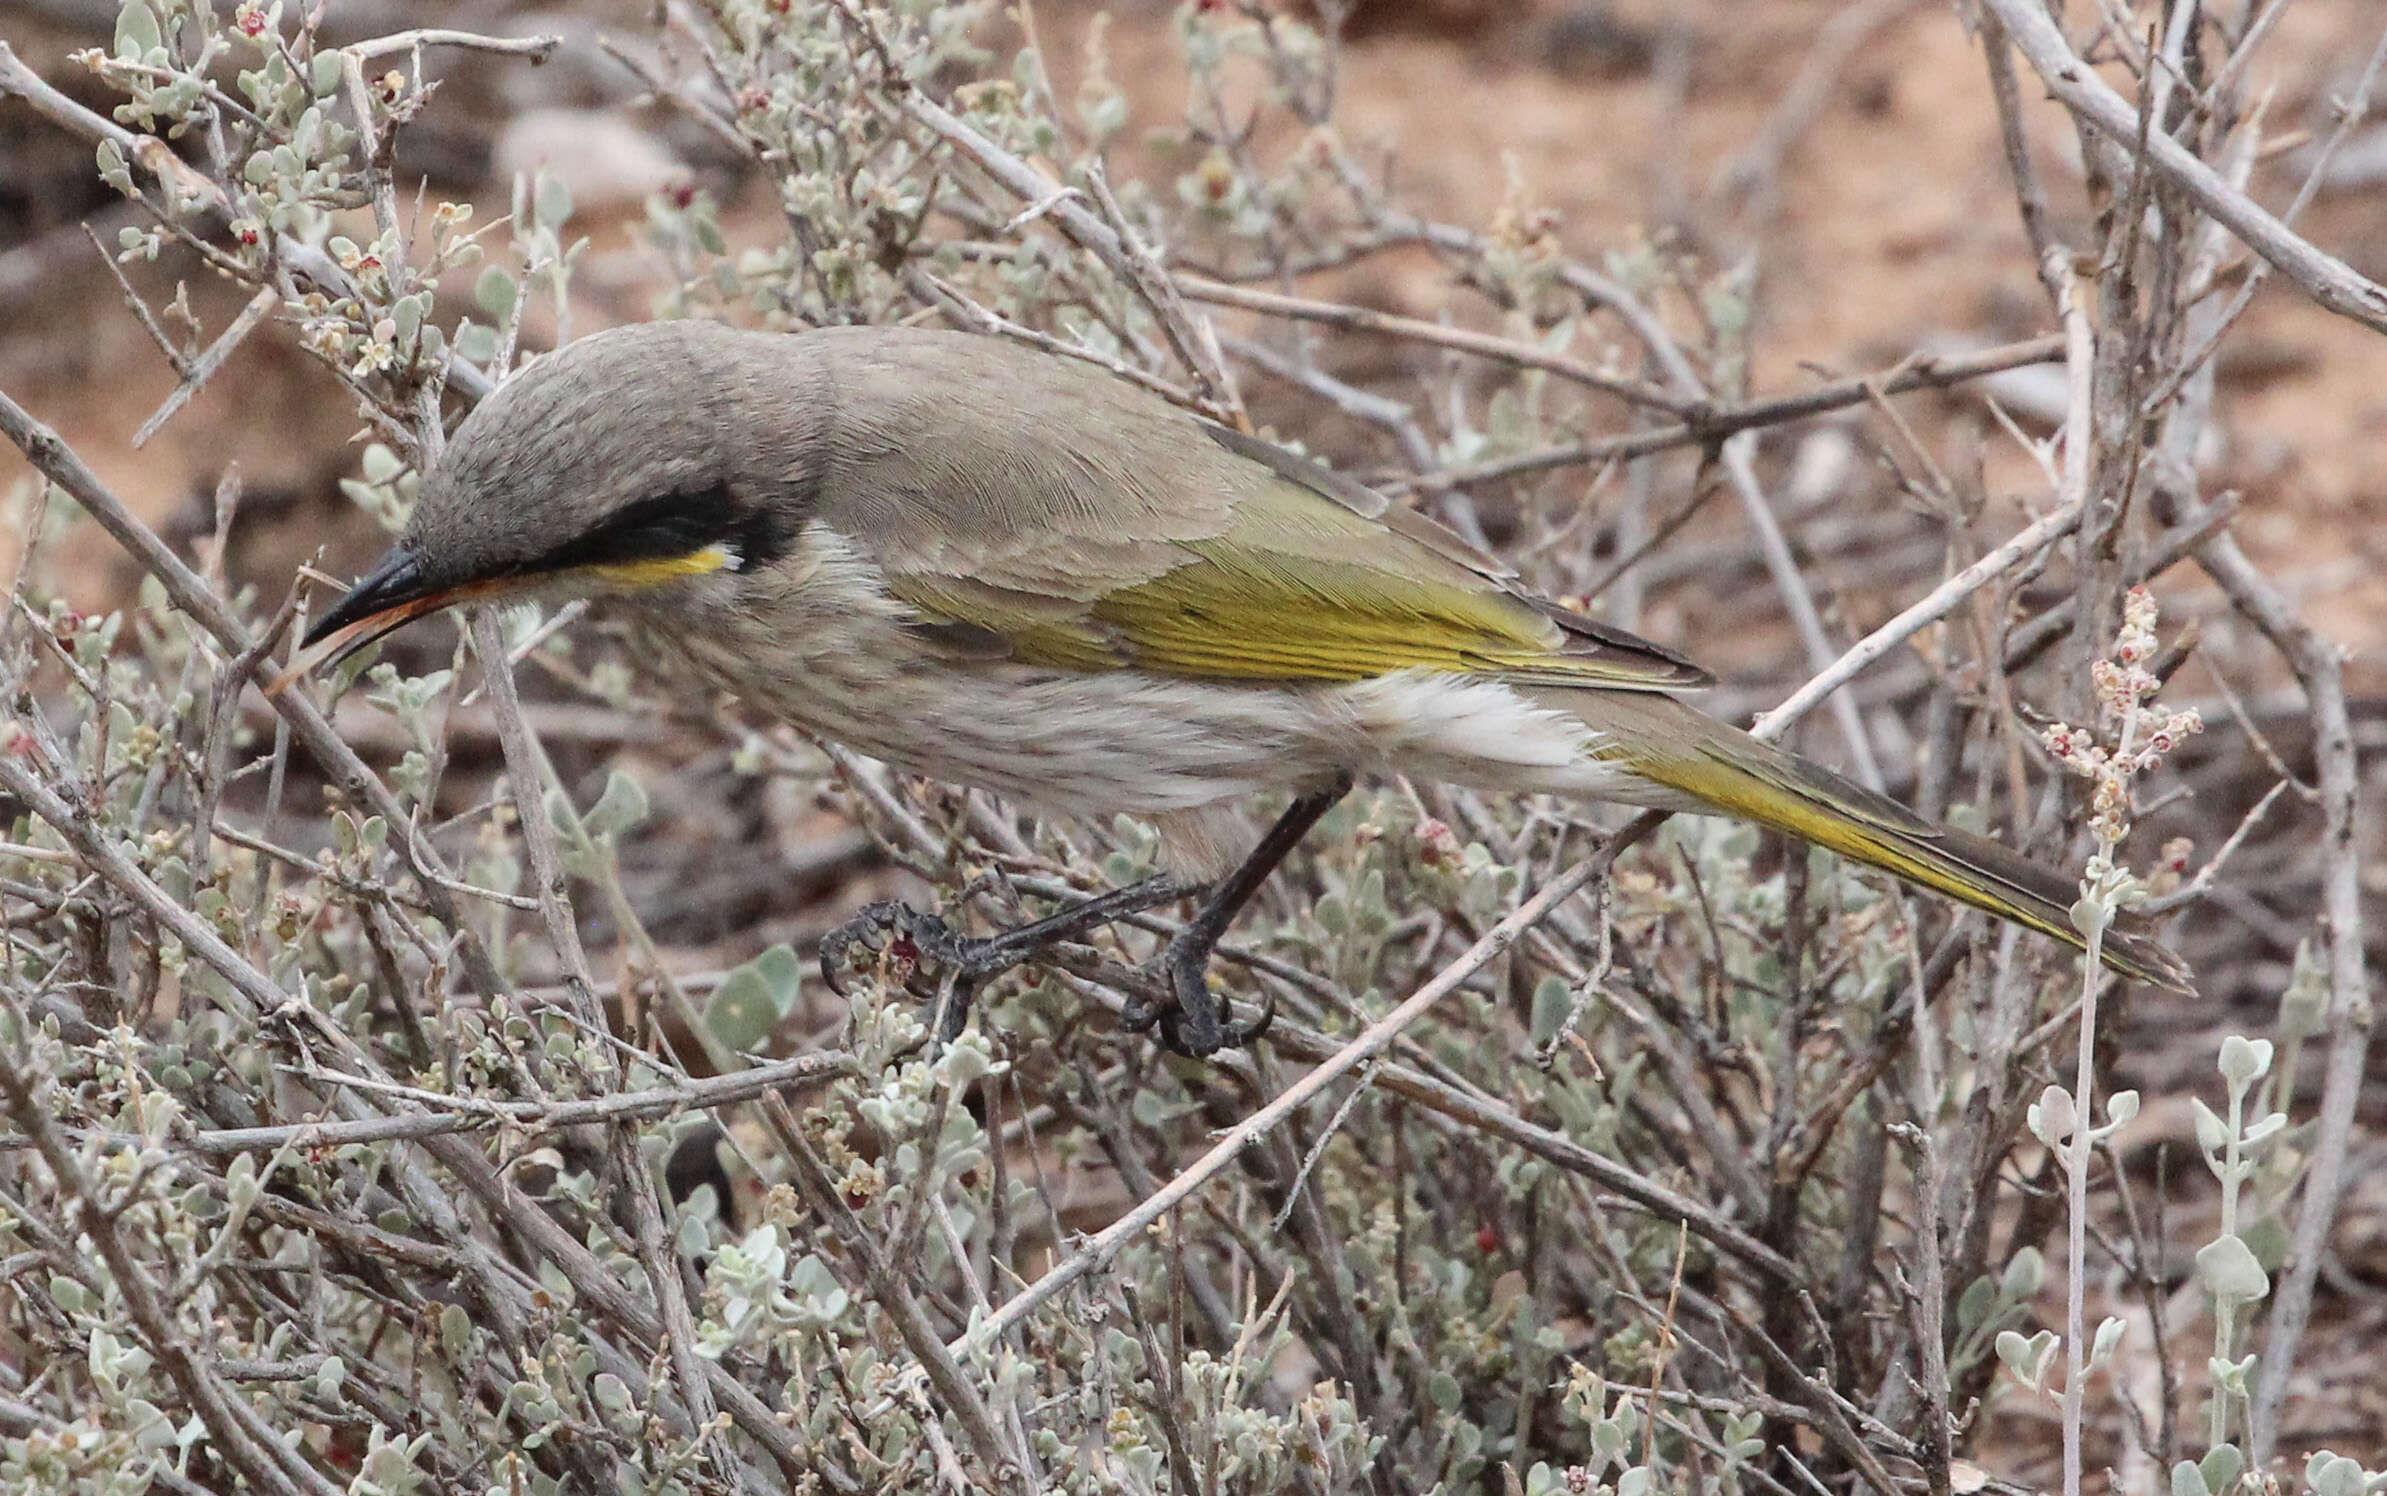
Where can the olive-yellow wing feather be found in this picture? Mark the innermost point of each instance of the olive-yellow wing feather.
(1223, 557)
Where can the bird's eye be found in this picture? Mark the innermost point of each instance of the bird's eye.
(662, 529)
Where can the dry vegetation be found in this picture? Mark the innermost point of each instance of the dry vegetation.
(416, 1080)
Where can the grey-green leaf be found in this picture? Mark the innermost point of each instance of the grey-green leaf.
(136, 31)
(2221, 1468)
(497, 291)
(2228, 1270)
(622, 806)
(752, 1000)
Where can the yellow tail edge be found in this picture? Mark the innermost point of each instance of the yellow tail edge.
(1740, 776)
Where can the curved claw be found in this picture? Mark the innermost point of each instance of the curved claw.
(1244, 1035)
(1193, 1026)
(1219, 1032)
(1196, 1023)
(880, 919)
(1192, 1020)
(890, 926)
(1139, 1015)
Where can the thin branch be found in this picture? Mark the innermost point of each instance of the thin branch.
(2080, 442)
(204, 367)
(1798, 599)
(2325, 278)
(2030, 197)
(536, 48)
(1440, 335)
(527, 770)
(1759, 163)
(1922, 372)
(1129, 259)
(2320, 669)
(1106, 1243)
(1938, 603)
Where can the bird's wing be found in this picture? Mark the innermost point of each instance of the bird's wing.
(1301, 582)
(1224, 557)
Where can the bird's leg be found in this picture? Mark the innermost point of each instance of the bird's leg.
(1196, 1025)
(1193, 1024)
(1001, 952)
(972, 959)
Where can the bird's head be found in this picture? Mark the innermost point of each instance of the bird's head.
(631, 460)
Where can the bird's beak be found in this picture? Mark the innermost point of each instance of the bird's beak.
(393, 594)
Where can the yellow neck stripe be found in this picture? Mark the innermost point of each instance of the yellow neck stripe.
(666, 568)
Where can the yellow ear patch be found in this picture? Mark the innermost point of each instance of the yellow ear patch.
(666, 568)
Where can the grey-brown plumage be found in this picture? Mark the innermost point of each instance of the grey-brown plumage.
(1006, 569)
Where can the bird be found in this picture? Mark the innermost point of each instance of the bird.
(998, 567)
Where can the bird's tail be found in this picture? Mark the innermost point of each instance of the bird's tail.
(1735, 774)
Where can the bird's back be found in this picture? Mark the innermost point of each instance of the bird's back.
(1096, 526)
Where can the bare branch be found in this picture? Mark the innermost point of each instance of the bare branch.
(536, 48)
(1482, 345)
(2030, 541)
(1922, 372)
(2323, 277)
(1105, 1244)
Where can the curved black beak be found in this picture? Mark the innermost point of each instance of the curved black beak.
(393, 583)
(392, 595)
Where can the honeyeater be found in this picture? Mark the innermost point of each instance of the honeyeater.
(1003, 568)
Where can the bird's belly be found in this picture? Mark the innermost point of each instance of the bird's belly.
(1100, 743)
(1083, 742)
(1125, 741)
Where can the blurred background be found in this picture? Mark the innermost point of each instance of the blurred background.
(1835, 166)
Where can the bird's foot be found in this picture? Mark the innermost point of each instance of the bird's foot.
(919, 952)
(1195, 1022)
(939, 965)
